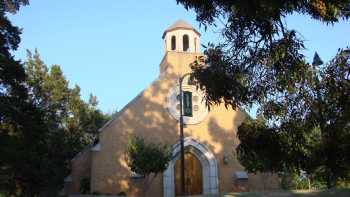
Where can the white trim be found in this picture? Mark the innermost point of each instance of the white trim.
(208, 162)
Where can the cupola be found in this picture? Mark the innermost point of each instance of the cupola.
(181, 37)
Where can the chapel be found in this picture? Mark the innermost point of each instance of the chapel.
(211, 164)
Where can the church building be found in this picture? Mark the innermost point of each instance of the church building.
(211, 164)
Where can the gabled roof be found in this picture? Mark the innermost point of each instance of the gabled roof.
(180, 24)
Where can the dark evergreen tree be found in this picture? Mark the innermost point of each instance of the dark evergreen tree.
(43, 123)
(72, 123)
(20, 120)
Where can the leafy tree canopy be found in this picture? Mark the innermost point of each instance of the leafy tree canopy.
(304, 108)
(310, 130)
(146, 159)
(260, 56)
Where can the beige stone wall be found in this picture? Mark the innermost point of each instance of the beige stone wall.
(81, 167)
(147, 116)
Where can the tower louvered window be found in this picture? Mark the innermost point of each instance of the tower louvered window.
(173, 43)
(185, 43)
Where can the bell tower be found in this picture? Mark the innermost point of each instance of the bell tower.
(181, 37)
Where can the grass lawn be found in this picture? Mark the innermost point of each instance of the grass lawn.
(326, 193)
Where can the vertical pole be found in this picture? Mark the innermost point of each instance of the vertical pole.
(182, 143)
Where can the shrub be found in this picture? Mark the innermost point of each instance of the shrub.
(145, 158)
(85, 185)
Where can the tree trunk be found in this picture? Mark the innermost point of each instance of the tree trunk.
(147, 183)
(330, 181)
(329, 185)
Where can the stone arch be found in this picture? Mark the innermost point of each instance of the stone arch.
(208, 162)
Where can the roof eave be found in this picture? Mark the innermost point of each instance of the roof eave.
(177, 28)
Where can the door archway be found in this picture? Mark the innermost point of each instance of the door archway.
(207, 161)
(193, 175)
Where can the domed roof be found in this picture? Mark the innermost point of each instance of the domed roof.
(180, 24)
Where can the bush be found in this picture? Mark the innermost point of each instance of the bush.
(287, 181)
(292, 181)
(343, 184)
(147, 159)
(85, 185)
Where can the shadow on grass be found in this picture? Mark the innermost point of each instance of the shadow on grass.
(300, 193)
(325, 193)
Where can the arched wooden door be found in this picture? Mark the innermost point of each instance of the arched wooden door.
(193, 175)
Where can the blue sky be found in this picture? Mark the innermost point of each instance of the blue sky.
(113, 48)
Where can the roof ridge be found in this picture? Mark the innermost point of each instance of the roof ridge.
(180, 24)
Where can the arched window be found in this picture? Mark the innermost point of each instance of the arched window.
(187, 103)
(173, 43)
(185, 42)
